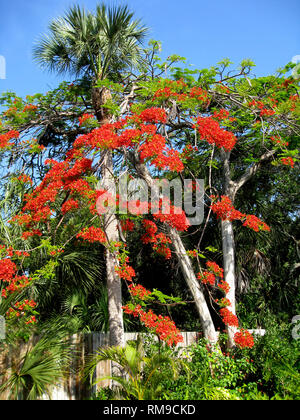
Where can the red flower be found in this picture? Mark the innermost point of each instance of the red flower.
(153, 115)
(127, 225)
(210, 131)
(69, 205)
(207, 278)
(229, 318)
(139, 291)
(84, 118)
(7, 269)
(92, 234)
(125, 272)
(288, 161)
(224, 209)
(243, 338)
(255, 223)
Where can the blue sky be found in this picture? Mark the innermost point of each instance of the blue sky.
(204, 32)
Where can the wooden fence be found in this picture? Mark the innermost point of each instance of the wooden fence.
(82, 345)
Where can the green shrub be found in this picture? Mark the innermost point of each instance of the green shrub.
(276, 358)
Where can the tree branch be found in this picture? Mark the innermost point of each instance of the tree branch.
(251, 171)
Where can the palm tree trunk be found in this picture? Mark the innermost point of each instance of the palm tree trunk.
(114, 287)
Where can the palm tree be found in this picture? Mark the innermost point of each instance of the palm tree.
(139, 376)
(97, 46)
(35, 368)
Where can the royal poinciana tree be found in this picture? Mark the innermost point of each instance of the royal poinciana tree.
(164, 123)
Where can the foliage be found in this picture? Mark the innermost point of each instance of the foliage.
(214, 375)
(276, 358)
(236, 131)
(140, 375)
(42, 366)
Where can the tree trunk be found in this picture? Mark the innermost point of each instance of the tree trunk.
(114, 286)
(229, 270)
(191, 280)
(228, 245)
(186, 267)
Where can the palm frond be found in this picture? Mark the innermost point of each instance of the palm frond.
(84, 43)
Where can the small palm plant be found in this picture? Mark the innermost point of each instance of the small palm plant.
(33, 373)
(137, 376)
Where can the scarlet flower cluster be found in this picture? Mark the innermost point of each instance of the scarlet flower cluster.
(129, 137)
(31, 320)
(84, 118)
(152, 145)
(229, 318)
(243, 338)
(69, 205)
(8, 274)
(16, 284)
(92, 234)
(25, 303)
(192, 253)
(223, 285)
(263, 110)
(103, 137)
(172, 89)
(20, 309)
(7, 269)
(215, 268)
(174, 216)
(161, 245)
(279, 141)
(293, 100)
(33, 232)
(62, 176)
(199, 93)
(153, 115)
(224, 209)
(288, 161)
(221, 114)
(127, 225)
(154, 148)
(171, 160)
(125, 272)
(164, 93)
(255, 223)
(10, 252)
(210, 131)
(30, 108)
(158, 241)
(209, 276)
(223, 302)
(139, 291)
(164, 327)
(151, 229)
(25, 179)
(4, 138)
(55, 252)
